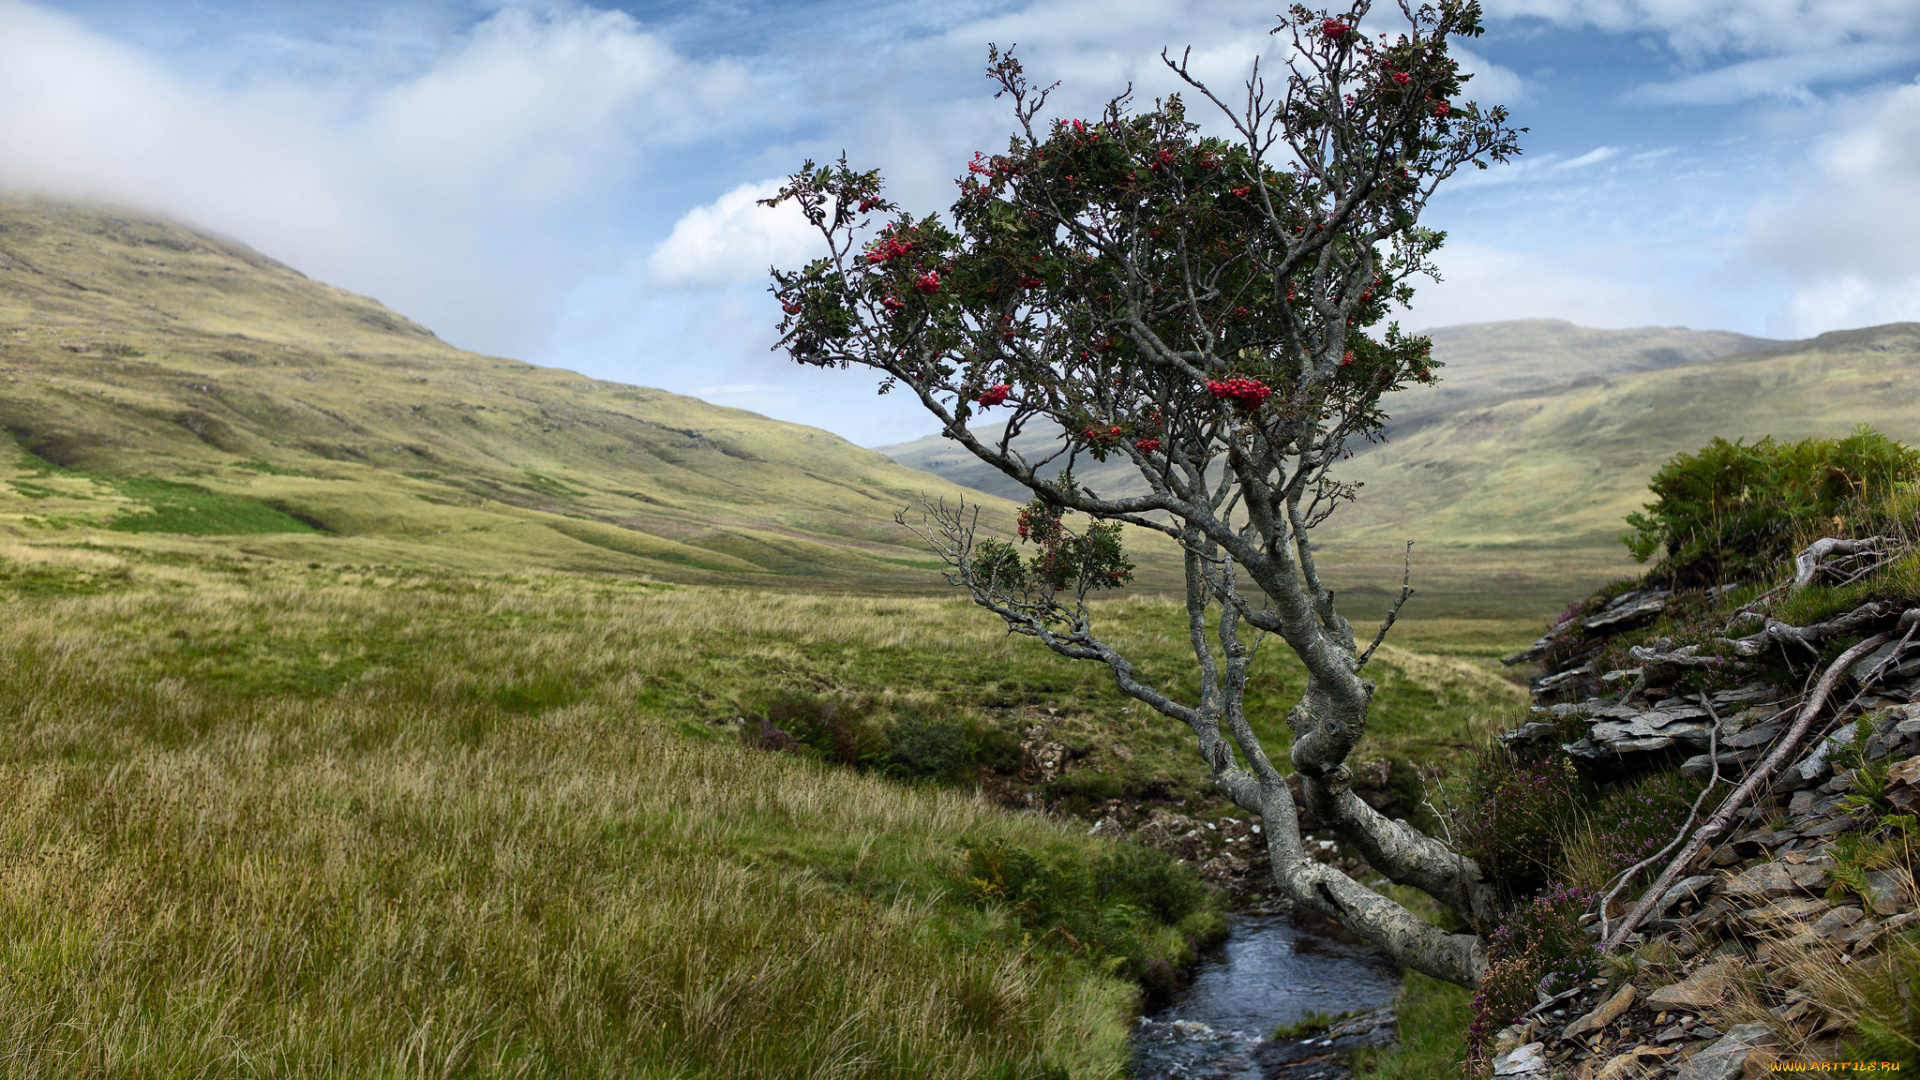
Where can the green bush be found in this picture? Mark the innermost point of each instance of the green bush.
(1734, 509)
(1115, 906)
(929, 749)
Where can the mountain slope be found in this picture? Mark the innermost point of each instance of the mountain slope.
(1566, 464)
(329, 427)
(1484, 363)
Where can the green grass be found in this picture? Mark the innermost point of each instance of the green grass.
(264, 818)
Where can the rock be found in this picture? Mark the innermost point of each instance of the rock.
(1726, 1058)
(1512, 1037)
(1782, 912)
(1605, 1014)
(1041, 759)
(1630, 1065)
(1815, 764)
(1695, 888)
(1108, 827)
(1700, 990)
(1528, 1060)
(1751, 693)
(1224, 868)
(1772, 880)
(1529, 734)
(1372, 775)
(1838, 920)
(1755, 737)
(1903, 781)
(1888, 891)
(1700, 766)
(1313, 1057)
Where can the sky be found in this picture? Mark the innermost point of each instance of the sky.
(575, 184)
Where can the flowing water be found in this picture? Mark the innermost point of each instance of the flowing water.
(1272, 969)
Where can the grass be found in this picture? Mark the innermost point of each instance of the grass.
(263, 818)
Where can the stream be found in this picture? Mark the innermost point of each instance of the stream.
(1272, 969)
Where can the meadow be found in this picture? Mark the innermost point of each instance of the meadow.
(266, 818)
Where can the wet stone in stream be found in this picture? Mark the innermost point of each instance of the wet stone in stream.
(1271, 970)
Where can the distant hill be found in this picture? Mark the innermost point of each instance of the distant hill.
(1484, 363)
(1514, 473)
(162, 382)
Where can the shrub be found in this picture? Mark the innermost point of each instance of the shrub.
(1516, 814)
(1539, 950)
(836, 729)
(929, 749)
(1113, 906)
(1732, 509)
(1632, 822)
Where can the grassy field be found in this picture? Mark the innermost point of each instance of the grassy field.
(267, 819)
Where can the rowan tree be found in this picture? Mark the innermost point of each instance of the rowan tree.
(1203, 308)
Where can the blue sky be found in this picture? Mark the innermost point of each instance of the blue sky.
(573, 184)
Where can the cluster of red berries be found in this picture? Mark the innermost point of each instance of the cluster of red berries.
(892, 303)
(1240, 191)
(1245, 392)
(928, 282)
(1347, 360)
(890, 249)
(1442, 109)
(1333, 29)
(1402, 78)
(995, 395)
(1148, 445)
(1099, 437)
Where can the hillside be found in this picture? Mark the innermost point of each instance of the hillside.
(166, 383)
(1484, 363)
(1516, 470)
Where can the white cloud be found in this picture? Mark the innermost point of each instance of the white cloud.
(1483, 284)
(1788, 77)
(1704, 27)
(438, 192)
(734, 239)
(1848, 232)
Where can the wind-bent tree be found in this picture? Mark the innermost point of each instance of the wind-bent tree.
(1198, 307)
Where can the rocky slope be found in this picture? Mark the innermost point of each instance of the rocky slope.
(1739, 959)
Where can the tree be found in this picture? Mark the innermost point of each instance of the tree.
(1199, 307)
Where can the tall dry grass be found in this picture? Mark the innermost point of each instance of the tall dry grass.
(467, 851)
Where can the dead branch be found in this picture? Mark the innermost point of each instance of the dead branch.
(1762, 775)
(1713, 754)
(1806, 565)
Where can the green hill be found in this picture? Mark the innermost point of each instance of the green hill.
(1513, 474)
(162, 383)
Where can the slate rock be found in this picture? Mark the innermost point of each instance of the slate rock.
(1702, 989)
(1726, 1058)
(1772, 880)
(1606, 1013)
(1528, 1060)
(1888, 889)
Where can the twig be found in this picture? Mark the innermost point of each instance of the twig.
(1406, 591)
(1713, 752)
(1763, 774)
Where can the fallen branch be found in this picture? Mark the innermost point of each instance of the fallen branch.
(1809, 636)
(1713, 754)
(1759, 778)
(1806, 565)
